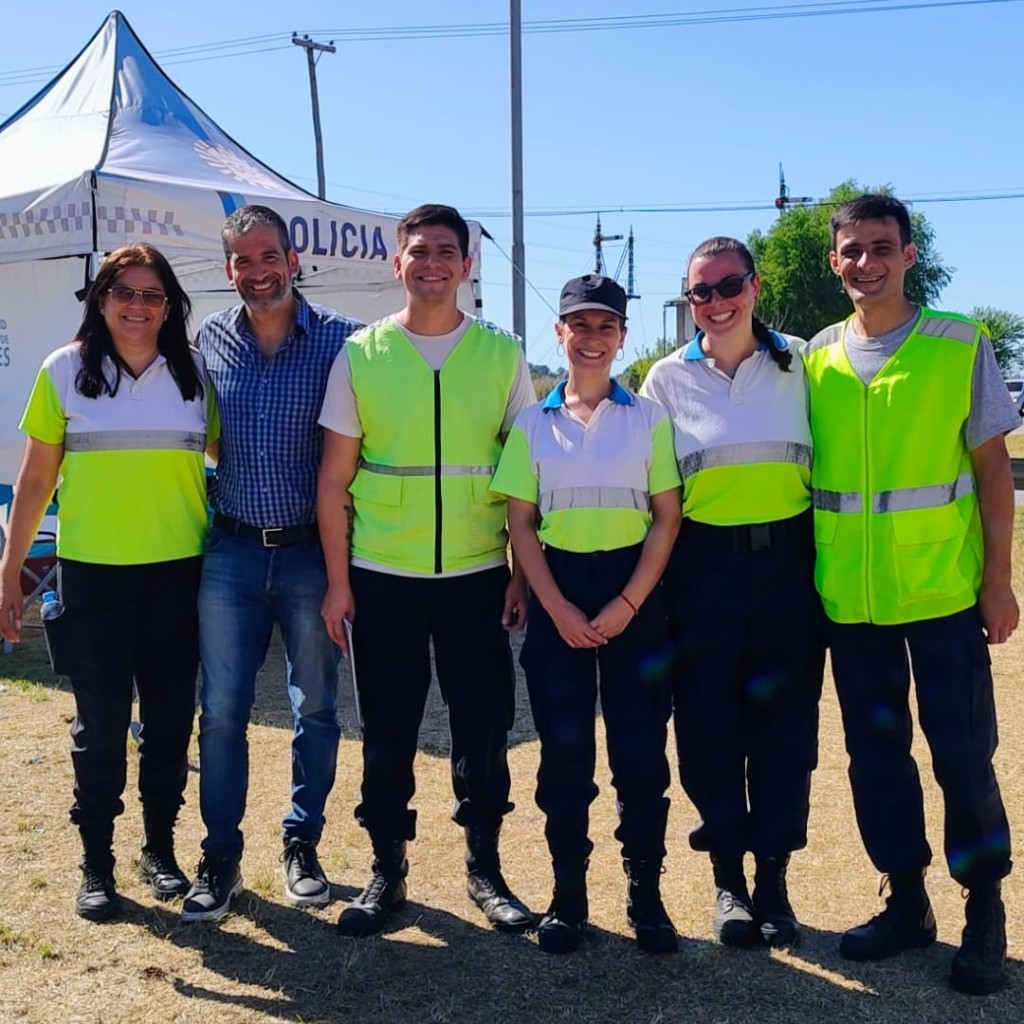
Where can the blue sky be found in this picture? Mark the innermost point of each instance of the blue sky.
(926, 100)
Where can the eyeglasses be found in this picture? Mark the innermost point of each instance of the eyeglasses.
(125, 296)
(728, 288)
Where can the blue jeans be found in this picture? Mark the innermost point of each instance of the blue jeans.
(245, 589)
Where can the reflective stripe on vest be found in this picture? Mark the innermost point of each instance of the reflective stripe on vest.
(376, 467)
(128, 440)
(594, 497)
(838, 501)
(903, 500)
(909, 498)
(744, 454)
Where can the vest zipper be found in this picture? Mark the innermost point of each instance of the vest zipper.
(438, 517)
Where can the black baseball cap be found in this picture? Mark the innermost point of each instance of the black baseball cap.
(592, 291)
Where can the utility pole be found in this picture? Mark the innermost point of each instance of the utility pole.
(309, 46)
(518, 249)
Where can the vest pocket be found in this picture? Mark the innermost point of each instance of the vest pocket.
(827, 571)
(927, 546)
(378, 504)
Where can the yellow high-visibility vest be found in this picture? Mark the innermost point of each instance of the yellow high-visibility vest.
(896, 517)
(431, 441)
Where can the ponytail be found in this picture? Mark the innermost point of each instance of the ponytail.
(782, 356)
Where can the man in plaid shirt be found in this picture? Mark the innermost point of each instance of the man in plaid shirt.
(268, 360)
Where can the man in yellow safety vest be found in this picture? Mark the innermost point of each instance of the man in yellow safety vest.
(913, 509)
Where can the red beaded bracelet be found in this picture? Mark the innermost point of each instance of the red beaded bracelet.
(633, 607)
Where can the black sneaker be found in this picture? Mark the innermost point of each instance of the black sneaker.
(367, 914)
(979, 965)
(218, 882)
(906, 923)
(97, 898)
(489, 891)
(161, 873)
(305, 883)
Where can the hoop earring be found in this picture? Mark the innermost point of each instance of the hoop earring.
(620, 355)
(560, 350)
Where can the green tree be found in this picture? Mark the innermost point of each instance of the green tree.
(633, 375)
(1007, 332)
(799, 292)
(544, 379)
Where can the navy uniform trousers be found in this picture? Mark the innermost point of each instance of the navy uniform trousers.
(953, 678)
(397, 618)
(635, 696)
(747, 628)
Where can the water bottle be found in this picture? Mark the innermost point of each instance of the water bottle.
(52, 607)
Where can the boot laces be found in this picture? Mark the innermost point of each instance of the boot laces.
(93, 878)
(303, 859)
(163, 863)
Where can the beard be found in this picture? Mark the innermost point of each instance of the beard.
(267, 298)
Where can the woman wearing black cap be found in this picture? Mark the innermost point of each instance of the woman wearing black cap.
(746, 619)
(593, 509)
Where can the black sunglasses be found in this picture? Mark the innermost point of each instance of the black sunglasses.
(728, 288)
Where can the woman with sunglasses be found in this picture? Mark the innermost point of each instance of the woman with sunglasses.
(122, 417)
(593, 509)
(746, 619)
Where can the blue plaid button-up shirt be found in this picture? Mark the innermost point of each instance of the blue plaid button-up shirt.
(270, 443)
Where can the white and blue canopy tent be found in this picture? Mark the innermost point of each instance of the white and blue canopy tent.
(111, 152)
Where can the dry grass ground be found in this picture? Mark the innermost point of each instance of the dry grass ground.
(439, 964)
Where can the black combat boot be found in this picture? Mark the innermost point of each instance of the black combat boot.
(906, 923)
(157, 865)
(733, 922)
(561, 928)
(384, 893)
(485, 885)
(97, 898)
(772, 909)
(979, 965)
(655, 932)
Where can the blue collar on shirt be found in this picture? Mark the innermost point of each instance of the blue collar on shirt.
(556, 399)
(694, 351)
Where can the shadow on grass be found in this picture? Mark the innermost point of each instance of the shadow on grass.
(431, 965)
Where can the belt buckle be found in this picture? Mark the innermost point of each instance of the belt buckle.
(267, 539)
(760, 537)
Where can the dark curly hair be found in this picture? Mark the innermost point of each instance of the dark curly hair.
(172, 342)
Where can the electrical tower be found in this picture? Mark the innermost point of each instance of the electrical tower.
(627, 257)
(599, 239)
(784, 199)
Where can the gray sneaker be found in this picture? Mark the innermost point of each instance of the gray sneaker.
(218, 882)
(305, 884)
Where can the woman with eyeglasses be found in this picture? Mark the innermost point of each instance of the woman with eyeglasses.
(746, 620)
(121, 416)
(593, 509)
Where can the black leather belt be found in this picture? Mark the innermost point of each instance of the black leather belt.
(270, 536)
(752, 537)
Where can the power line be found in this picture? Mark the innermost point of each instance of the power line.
(744, 207)
(239, 47)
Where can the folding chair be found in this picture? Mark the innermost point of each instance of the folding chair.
(39, 573)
